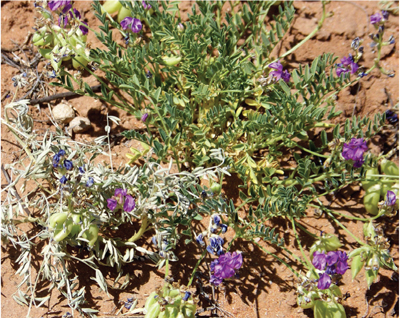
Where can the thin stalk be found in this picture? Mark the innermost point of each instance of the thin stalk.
(142, 229)
(299, 243)
(195, 268)
(305, 230)
(319, 26)
(311, 152)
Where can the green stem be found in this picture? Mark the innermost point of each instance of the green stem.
(311, 152)
(305, 230)
(142, 229)
(276, 257)
(195, 268)
(319, 26)
(299, 243)
(356, 218)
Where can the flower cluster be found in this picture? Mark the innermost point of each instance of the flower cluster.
(134, 24)
(225, 267)
(354, 150)
(334, 262)
(377, 18)
(215, 246)
(279, 73)
(121, 198)
(217, 223)
(346, 65)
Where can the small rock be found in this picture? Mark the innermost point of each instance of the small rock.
(79, 124)
(63, 113)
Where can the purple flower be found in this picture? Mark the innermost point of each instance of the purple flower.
(144, 117)
(354, 150)
(112, 204)
(81, 169)
(180, 27)
(133, 23)
(390, 198)
(56, 160)
(279, 73)
(68, 164)
(199, 239)
(215, 246)
(342, 266)
(331, 258)
(129, 204)
(55, 4)
(216, 219)
(126, 23)
(63, 18)
(324, 281)
(84, 29)
(391, 116)
(61, 153)
(146, 6)
(385, 15)
(63, 180)
(353, 68)
(340, 70)
(187, 295)
(319, 260)
(331, 270)
(224, 227)
(119, 194)
(375, 18)
(90, 182)
(346, 61)
(225, 267)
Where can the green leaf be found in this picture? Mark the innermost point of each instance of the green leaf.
(284, 87)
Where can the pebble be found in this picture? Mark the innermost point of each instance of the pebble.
(63, 113)
(79, 124)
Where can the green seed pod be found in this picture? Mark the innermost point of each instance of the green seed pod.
(153, 311)
(369, 230)
(171, 60)
(371, 201)
(356, 265)
(150, 301)
(91, 234)
(189, 310)
(81, 60)
(45, 53)
(370, 276)
(390, 168)
(63, 230)
(216, 188)
(57, 219)
(76, 228)
(307, 301)
(324, 309)
(386, 186)
(171, 310)
(367, 184)
(123, 13)
(111, 6)
(42, 39)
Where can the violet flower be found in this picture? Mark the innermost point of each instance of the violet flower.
(375, 18)
(215, 246)
(319, 260)
(55, 4)
(346, 65)
(216, 219)
(385, 15)
(81, 169)
(354, 150)
(56, 160)
(279, 73)
(341, 265)
(63, 180)
(332, 258)
(390, 198)
(112, 204)
(324, 281)
(90, 182)
(68, 164)
(199, 239)
(225, 267)
(144, 117)
(61, 152)
(133, 23)
(129, 204)
(146, 6)
(84, 29)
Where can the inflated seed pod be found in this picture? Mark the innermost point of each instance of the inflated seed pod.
(123, 13)
(42, 39)
(63, 230)
(356, 265)
(56, 219)
(371, 199)
(367, 184)
(386, 186)
(153, 311)
(45, 52)
(171, 60)
(389, 167)
(80, 61)
(111, 6)
(76, 228)
(150, 301)
(91, 234)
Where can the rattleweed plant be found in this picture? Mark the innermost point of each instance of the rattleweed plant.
(214, 101)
